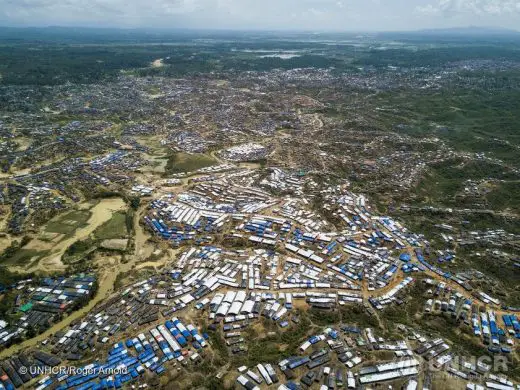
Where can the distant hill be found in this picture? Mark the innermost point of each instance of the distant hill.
(477, 35)
(472, 30)
(57, 34)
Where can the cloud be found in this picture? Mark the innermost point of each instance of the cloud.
(427, 10)
(116, 12)
(181, 13)
(450, 8)
(260, 14)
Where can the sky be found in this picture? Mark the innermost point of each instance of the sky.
(308, 15)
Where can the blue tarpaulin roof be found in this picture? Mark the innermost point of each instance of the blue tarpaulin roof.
(405, 257)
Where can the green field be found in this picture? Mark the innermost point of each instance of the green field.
(68, 222)
(506, 195)
(184, 162)
(24, 257)
(114, 228)
(470, 120)
(444, 181)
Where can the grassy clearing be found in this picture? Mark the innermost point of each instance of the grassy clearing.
(69, 222)
(184, 162)
(24, 257)
(115, 228)
(446, 180)
(466, 117)
(505, 195)
(79, 252)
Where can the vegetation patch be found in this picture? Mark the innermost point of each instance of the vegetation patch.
(115, 228)
(184, 162)
(16, 255)
(68, 222)
(505, 195)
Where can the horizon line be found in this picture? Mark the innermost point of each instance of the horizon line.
(455, 29)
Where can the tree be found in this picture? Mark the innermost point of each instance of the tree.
(25, 241)
(135, 202)
(31, 332)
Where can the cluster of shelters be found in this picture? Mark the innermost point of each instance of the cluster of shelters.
(41, 304)
(44, 188)
(335, 362)
(187, 141)
(317, 364)
(43, 198)
(114, 166)
(125, 362)
(495, 237)
(245, 152)
(18, 370)
(211, 172)
(323, 259)
(282, 180)
(484, 323)
(140, 129)
(142, 190)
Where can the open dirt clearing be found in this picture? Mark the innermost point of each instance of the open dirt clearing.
(158, 63)
(115, 244)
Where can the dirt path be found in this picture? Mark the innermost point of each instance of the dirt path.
(142, 251)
